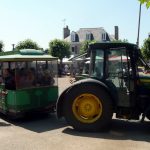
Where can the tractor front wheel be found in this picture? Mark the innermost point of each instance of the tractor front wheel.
(88, 108)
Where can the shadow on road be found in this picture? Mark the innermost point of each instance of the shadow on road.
(120, 130)
(38, 123)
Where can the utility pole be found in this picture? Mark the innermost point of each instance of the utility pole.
(139, 22)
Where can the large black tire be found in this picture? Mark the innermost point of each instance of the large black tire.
(100, 122)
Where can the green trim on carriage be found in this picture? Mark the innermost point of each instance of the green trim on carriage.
(28, 99)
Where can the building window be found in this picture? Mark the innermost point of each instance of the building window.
(73, 49)
(103, 36)
(73, 37)
(76, 51)
(89, 36)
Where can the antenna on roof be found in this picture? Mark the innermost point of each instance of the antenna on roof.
(64, 21)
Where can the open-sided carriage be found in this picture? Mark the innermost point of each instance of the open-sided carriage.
(28, 82)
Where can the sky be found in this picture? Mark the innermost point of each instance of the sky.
(42, 20)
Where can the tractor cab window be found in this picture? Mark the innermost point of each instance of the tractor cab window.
(119, 67)
(97, 64)
(118, 64)
(119, 73)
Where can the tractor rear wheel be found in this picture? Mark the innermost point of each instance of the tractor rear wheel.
(88, 108)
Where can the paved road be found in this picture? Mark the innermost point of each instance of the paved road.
(48, 133)
(64, 82)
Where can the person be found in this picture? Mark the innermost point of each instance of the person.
(66, 67)
(28, 78)
(97, 72)
(31, 76)
(9, 79)
(25, 78)
(47, 79)
(59, 71)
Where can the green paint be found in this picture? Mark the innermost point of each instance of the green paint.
(28, 99)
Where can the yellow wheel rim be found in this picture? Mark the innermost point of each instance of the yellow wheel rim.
(87, 108)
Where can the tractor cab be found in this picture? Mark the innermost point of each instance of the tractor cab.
(120, 66)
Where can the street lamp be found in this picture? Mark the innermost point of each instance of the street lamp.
(139, 26)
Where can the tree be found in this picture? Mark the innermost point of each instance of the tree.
(146, 49)
(1, 46)
(84, 46)
(27, 44)
(147, 2)
(60, 49)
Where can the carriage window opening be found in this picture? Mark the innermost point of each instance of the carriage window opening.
(36, 74)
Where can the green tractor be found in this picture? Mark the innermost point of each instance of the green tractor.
(116, 85)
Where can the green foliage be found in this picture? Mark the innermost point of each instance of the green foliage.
(59, 48)
(27, 44)
(146, 49)
(147, 2)
(84, 46)
(1, 46)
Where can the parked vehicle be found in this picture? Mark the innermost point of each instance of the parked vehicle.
(28, 82)
(114, 86)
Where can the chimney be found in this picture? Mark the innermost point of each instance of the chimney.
(116, 33)
(66, 32)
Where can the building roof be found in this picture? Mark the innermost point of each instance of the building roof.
(96, 33)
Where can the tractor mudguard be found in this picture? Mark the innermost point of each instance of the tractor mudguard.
(59, 103)
(89, 81)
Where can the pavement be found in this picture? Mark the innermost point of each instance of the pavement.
(63, 83)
